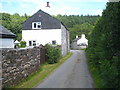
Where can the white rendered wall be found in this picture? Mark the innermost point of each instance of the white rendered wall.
(6, 43)
(42, 36)
(82, 40)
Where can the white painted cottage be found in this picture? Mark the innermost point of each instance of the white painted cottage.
(41, 28)
(6, 38)
(82, 41)
(79, 42)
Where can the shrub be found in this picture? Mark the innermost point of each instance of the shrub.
(22, 44)
(103, 50)
(53, 54)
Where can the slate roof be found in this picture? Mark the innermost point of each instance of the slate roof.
(76, 39)
(47, 21)
(4, 33)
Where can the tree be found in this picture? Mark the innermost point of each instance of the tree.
(13, 23)
(79, 29)
(103, 50)
(5, 20)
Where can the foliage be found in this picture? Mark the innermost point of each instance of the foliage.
(104, 47)
(22, 44)
(17, 45)
(53, 54)
(79, 29)
(75, 23)
(13, 23)
(72, 20)
(78, 24)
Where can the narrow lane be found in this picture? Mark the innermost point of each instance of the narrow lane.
(73, 73)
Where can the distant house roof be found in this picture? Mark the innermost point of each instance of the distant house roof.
(76, 39)
(4, 33)
(47, 21)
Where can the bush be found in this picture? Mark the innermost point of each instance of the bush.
(103, 50)
(22, 44)
(53, 54)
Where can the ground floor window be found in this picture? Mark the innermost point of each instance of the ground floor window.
(32, 43)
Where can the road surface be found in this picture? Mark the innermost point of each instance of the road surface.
(73, 73)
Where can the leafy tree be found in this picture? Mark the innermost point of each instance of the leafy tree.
(78, 24)
(79, 29)
(13, 23)
(5, 20)
(104, 47)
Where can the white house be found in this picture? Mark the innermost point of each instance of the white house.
(41, 28)
(79, 43)
(6, 38)
(82, 41)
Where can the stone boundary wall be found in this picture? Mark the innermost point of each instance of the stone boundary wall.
(17, 64)
(0, 70)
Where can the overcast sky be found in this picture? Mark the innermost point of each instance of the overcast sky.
(68, 7)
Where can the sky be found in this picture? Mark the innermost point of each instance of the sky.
(63, 7)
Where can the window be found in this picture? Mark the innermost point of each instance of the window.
(36, 25)
(34, 43)
(54, 42)
(30, 43)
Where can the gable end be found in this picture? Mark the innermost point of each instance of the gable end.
(47, 21)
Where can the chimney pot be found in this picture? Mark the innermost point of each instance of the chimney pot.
(48, 4)
(76, 36)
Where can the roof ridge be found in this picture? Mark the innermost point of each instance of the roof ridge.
(5, 33)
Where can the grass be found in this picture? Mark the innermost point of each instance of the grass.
(43, 71)
(83, 49)
(94, 75)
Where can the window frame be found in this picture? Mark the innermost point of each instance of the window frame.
(36, 25)
(54, 42)
(32, 43)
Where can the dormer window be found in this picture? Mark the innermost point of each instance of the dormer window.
(36, 25)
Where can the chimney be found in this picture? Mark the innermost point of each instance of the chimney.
(83, 36)
(76, 36)
(48, 4)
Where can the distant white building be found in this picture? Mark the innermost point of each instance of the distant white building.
(79, 43)
(6, 38)
(82, 41)
(41, 28)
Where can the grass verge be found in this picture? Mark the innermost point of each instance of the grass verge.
(83, 49)
(95, 74)
(39, 76)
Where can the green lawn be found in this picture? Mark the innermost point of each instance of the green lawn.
(39, 76)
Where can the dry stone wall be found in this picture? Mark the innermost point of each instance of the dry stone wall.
(18, 64)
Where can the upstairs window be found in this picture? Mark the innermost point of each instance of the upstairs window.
(36, 25)
(54, 42)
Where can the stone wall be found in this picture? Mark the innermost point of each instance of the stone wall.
(0, 70)
(65, 41)
(74, 46)
(18, 64)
